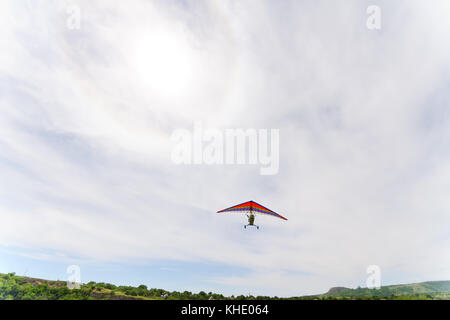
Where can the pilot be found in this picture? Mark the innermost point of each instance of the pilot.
(251, 221)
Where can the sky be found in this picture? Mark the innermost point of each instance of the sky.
(88, 108)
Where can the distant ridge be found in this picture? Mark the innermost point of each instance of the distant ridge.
(13, 287)
(430, 288)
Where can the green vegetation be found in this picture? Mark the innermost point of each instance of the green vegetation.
(431, 290)
(13, 287)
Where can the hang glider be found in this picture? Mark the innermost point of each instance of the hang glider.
(252, 208)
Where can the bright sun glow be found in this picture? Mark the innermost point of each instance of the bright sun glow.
(164, 62)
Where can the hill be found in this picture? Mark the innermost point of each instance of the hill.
(26, 288)
(13, 287)
(422, 290)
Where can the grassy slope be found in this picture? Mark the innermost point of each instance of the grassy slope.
(423, 290)
(17, 287)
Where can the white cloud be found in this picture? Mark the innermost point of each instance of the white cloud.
(86, 123)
